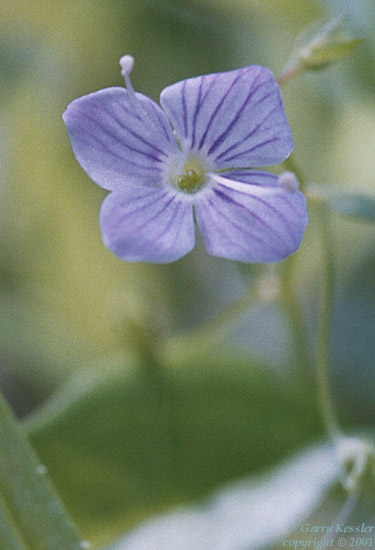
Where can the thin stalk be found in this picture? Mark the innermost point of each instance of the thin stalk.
(323, 344)
(341, 518)
(32, 515)
(326, 310)
(295, 317)
(289, 298)
(290, 71)
(326, 407)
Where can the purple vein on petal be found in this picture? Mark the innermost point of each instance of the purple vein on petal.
(135, 134)
(167, 228)
(178, 232)
(248, 135)
(236, 175)
(223, 232)
(284, 198)
(116, 138)
(150, 194)
(162, 122)
(130, 112)
(241, 228)
(218, 107)
(111, 152)
(164, 231)
(261, 99)
(197, 108)
(184, 108)
(157, 213)
(253, 148)
(229, 199)
(145, 206)
(200, 102)
(230, 126)
(265, 203)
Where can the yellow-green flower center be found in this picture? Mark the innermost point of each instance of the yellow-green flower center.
(193, 177)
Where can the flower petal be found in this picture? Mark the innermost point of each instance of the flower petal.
(149, 225)
(119, 139)
(251, 222)
(236, 118)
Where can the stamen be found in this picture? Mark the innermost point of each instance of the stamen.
(190, 182)
(126, 64)
(289, 181)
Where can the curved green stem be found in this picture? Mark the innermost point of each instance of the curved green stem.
(289, 298)
(295, 317)
(325, 322)
(32, 515)
(323, 342)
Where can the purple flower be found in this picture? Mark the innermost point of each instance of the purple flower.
(192, 159)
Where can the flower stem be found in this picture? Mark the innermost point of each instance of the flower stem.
(322, 356)
(31, 513)
(325, 322)
(290, 301)
(290, 71)
(295, 317)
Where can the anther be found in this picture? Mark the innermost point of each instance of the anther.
(126, 64)
(288, 181)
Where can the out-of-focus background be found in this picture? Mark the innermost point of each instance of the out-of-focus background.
(72, 315)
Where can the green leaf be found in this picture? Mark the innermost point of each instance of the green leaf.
(120, 449)
(32, 516)
(239, 515)
(301, 493)
(353, 205)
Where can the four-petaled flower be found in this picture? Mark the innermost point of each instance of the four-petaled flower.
(191, 161)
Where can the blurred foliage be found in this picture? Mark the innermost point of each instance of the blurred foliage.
(119, 448)
(358, 207)
(238, 514)
(66, 302)
(299, 495)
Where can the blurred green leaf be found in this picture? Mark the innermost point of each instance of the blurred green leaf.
(338, 508)
(239, 515)
(354, 205)
(324, 54)
(299, 494)
(119, 451)
(31, 513)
